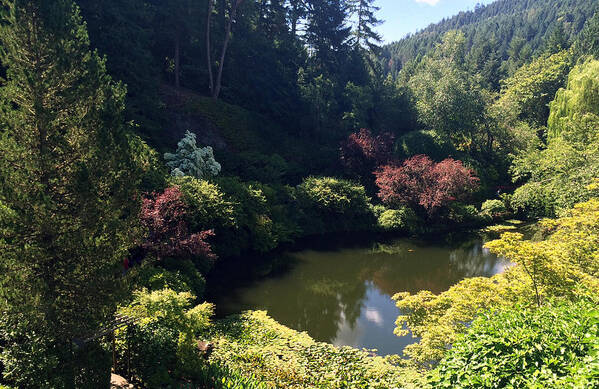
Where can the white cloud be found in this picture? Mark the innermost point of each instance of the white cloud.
(374, 316)
(429, 2)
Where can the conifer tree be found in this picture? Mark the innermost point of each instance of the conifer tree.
(327, 33)
(365, 35)
(67, 197)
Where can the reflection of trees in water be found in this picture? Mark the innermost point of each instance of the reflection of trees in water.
(327, 290)
(315, 303)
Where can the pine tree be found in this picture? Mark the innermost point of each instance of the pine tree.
(365, 35)
(327, 34)
(67, 196)
(588, 41)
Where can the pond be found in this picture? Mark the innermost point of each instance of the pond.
(341, 294)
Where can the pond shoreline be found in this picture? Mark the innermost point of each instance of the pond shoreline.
(339, 289)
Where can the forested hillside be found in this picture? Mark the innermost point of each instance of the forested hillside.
(156, 155)
(501, 36)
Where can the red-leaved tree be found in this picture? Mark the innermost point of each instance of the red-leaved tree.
(362, 152)
(164, 215)
(420, 182)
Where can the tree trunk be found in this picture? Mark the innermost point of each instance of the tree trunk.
(217, 86)
(208, 48)
(177, 59)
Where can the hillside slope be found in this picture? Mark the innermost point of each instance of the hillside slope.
(508, 31)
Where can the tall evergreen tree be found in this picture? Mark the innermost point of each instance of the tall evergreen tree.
(67, 196)
(296, 11)
(327, 34)
(364, 12)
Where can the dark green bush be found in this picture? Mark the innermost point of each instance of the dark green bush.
(333, 205)
(254, 229)
(149, 164)
(209, 208)
(533, 200)
(155, 278)
(150, 352)
(493, 209)
(556, 346)
(404, 220)
(254, 166)
(424, 142)
(460, 213)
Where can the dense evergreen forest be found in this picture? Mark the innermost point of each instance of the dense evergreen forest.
(500, 37)
(145, 142)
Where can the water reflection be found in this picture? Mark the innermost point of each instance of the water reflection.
(343, 296)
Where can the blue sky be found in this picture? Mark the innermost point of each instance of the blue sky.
(407, 16)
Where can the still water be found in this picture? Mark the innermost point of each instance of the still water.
(343, 295)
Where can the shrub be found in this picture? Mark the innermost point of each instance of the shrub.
(159, 346)
(421, 183)
(533, 200)
(460, 213)
(208, 207)
(424, 143)
(493, 209)
(362, 152)
(550, 347)
(256, 345)
(190, 160)
(156, 278)
(403, 220)
(331, 205)
(563, 266)
(164, 215)
(254, 166)
(180, 275)
(254, 228)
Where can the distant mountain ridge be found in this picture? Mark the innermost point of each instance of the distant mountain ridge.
(509, 30)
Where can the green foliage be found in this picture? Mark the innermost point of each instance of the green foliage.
(261, 217)
(256, 345)
(149, 163)
(493, 209)
(424, 143)
(333, 205)
(208, 207)
(562, 173)
(180, 275)
(255, 166)
(448, 99)
(501, 36)
(160, 346)
(588, 41)
(463, 214)
(549, 347)
(156, 278)
(69, 179)
(404, 220)
(563, 265)
(533, 200)
(575, 110)
(191, 160)
(525, 95)
(218, 377)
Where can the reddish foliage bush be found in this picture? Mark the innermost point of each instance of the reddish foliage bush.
(362, 152)
(164, 215)
(420, 182)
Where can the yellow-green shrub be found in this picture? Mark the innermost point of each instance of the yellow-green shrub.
(565, 264)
